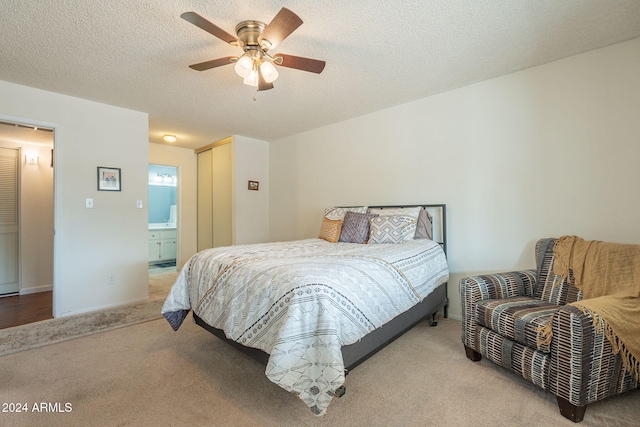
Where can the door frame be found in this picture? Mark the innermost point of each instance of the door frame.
(178, 205)
(56, 291)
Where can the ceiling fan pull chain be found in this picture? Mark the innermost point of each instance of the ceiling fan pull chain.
(255, 97)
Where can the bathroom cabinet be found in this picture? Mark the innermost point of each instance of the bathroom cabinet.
(162, 245)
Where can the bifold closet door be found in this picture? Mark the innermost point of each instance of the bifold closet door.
(9, 257)
(205, 200)
(222, 195)
(215, 186)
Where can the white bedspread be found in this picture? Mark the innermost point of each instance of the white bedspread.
(301, 301)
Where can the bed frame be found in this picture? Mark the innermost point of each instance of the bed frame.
(356, 353)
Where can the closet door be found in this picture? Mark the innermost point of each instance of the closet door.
(9, 260)
(222, 196)
(215, 195)
(205, 200)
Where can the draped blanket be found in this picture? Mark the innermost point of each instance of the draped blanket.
(609, 276)
(301, 301)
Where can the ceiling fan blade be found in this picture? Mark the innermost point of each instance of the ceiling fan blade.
(283, 24)
(202, 66)
(299, 63)
(210, 28)
(262, 83)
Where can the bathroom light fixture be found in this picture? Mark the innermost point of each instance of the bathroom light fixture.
(169, 138)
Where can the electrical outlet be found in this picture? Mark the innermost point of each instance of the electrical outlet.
(111, 279)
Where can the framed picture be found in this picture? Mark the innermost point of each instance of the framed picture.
(109, 179)
(253, 185)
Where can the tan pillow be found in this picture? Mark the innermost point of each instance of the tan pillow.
(330, 230)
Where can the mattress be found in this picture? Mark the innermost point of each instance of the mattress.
(301, 301)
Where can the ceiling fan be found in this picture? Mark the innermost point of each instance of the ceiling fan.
(256, 65)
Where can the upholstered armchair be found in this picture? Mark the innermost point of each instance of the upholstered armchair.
(502, 316)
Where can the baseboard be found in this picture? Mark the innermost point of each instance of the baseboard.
(103, 307)
(36, 289)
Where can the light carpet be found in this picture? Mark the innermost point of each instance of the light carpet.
(148, 375)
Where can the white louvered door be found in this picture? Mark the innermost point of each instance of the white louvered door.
(9, 281)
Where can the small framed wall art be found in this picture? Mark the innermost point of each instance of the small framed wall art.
(254, 185)
(109, 179)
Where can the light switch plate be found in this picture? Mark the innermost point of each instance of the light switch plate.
(89, 203)
(139, 204)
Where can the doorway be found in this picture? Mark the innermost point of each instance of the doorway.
(163, 218)
(26, 223)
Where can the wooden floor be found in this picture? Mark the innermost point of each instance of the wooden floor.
(23, 309)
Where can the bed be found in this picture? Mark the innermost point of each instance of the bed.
(312, 310)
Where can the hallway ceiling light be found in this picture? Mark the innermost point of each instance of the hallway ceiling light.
(170, 138)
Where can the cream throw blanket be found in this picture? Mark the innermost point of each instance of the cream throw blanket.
(609, 276)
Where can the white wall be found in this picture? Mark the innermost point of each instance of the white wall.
(36, 217)
(251, 209)
(111, 238)
(187, 163)
(547, 151)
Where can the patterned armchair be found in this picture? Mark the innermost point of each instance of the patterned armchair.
(501, 316)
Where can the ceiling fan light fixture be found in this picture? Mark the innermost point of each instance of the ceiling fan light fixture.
(256, 66)
(252, 78)
(244, 65)
(269, 72)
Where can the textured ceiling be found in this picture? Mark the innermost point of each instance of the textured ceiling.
(379, 53)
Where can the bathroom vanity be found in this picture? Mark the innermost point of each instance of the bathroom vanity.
(162, 242)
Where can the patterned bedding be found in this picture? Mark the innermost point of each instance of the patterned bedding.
(301, 301)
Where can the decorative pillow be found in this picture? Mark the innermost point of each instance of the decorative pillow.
(330, 230)
(339, 213)
(412, 211)
(392, 229)
(424, 230)
(355, 227)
